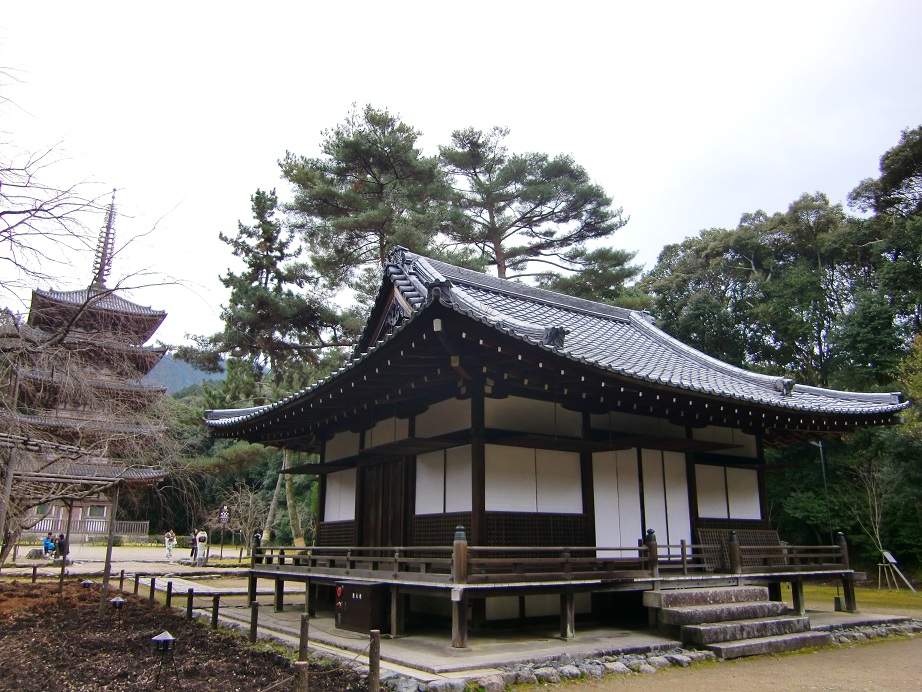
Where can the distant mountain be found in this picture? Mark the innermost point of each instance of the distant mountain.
(175, 375)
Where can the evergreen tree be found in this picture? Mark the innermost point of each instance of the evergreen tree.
(372, 189)
(530, 208)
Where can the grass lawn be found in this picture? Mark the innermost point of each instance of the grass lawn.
(870, 599)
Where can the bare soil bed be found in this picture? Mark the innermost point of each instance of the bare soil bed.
(50, 644)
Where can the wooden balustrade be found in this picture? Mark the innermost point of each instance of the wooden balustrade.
(461, 563)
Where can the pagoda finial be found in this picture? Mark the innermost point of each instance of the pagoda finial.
(102, 264)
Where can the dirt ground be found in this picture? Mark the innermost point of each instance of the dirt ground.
(885, 665)
(47, 645)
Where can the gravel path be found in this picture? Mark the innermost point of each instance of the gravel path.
(887, 665)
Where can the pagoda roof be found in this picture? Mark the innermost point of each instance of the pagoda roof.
(142, 319)
(601, 341)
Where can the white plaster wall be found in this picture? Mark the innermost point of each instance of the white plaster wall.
(530, 415)
(712, 491)
(616, 492)
(387, 430)
(654, 493)
(458, 483)
(743, 493)
(558, 481)
(341, 445)
(444, 417)
(744, 443)
(510, 479)
(339, 504)
(430, 483)
(677, 509)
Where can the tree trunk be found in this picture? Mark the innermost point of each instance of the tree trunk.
(294, 517)
(270, 517)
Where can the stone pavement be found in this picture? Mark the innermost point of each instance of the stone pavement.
(426, 656)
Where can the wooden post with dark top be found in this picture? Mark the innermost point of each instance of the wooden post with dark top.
(190, 596)
(169, 594)
(153, 588)
(734, 553)
(215, 609)
(848, 580)
(458, 597)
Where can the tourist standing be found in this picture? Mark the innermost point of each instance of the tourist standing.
(201, 545)
(169, 542)
(193, 546)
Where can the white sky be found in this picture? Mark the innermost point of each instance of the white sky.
(688, 114)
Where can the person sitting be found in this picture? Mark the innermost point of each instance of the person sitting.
(48, 545)
(60, 547)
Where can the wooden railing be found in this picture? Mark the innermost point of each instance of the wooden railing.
(461, 563)
(89, 526)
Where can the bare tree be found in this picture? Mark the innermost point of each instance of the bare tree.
(41, 224)
(247, 510)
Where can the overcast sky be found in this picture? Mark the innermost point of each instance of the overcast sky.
(688, 114)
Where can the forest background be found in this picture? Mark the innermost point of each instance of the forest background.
(827, 296)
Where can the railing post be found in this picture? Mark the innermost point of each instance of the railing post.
(684, 546)
(153, 586)
(653, 553)
(121, 581)
(459, 557)
(34, 573)
(137, 580)
(190, 595)
(736, 556)
(843, 549)
(169, 594)
(565, 557)
(459, 575)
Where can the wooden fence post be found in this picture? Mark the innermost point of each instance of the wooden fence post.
(190, 594)
(374, 661)
(153, 586)
(169, 594)
(215, 607)
(254, 621)
(137, 581)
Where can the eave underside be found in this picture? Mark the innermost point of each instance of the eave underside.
(419, 366)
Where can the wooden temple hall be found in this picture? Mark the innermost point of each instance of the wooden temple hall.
(493, 452)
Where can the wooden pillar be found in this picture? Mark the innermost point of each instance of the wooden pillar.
(279, 600)
(478, 534)
(458, 619)
(567, 616)
(397, 611)
(797, 595)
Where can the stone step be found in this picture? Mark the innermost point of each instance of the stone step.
(721, 612)
(677, 598)
(713, 632)
(770, 645)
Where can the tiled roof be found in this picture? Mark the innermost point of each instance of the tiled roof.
(102, 300)
(612, 339)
